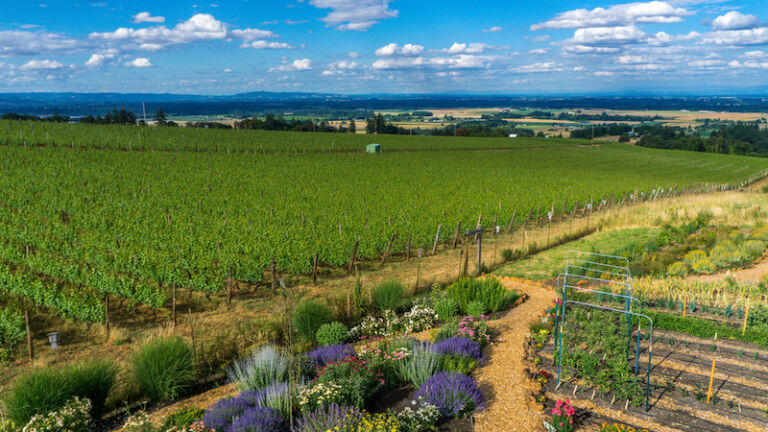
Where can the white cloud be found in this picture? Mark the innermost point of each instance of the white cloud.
(139, 62)
(15, 43)
(296, 65)
(353, 54)
(749, 64)
(463, 48)
(395, 49)
(357, 15)
(603, 73)
(227, 70)
(146, 17)
(706, 63)
(340, 67)
(542, 38)
(602, 36)
(754, 54)
(98, 59)
(539, 67)
(494, 29)
(41, 65)
(538, 51)
(200, 27)
(461, 61)
(261, 44)
(734, 20)
(755, 36)
(618, 15)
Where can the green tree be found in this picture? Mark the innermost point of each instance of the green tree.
(352, 126)
(160, 117)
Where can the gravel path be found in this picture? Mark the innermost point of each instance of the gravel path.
(502, 378)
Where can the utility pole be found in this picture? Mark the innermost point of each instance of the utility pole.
(144, 110)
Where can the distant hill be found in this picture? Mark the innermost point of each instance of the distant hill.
(247, 104)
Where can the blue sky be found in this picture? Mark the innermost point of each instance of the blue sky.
(385, 46)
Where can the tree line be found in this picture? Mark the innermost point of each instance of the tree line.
(742, 138)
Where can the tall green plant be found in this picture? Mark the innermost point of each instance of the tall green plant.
(420, 365)
(266, 366)
(389, 295)
(164, 368)
(308, 317)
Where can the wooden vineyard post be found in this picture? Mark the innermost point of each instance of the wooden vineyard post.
(437, 238)
(273, 274)
(314, 269)
(711, 380)
(386, 252)
(456, 235)
(495, 222)
(354, 256)
(173, 304)
(525, 234)
(408, 249)
(106, 315)
(30, 351)
(465, 270)
(746, 316)
(512, 221)
(229, 287)
(479, 221)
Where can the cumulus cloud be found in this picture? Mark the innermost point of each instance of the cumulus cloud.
(357, 15)
(618, 15)
(538, 51)
(41, 65)
(463, 48)
(395, 49)
(749, 64)
(754, 36)
(539, 67)
(146, 17)
(734, 20)
(139, 62)
(461, 61)
(262, 44)
(602, 36)
(16, 43)
(340, 67)
(200, 27)
(296, 65)
(542, 38)
(98, 59)
(494, 29)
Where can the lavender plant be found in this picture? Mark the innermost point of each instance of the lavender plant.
(459, 346)
(328, 354)
(259, 419)
(455, 394)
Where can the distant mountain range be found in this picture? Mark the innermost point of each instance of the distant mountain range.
(247, 104)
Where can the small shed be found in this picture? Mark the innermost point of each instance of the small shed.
(373, 148)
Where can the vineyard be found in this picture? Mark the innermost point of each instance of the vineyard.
(78, 226)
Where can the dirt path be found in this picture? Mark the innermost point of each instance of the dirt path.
(754, 274)
(502, 378)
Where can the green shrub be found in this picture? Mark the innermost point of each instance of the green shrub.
(332, 334)
(446, 308)
(389, 296)
(754, 248)
(476, 308)
(457, 363)
(703, 266)
(42, 391)
(164, 368)
(693, 256)
(266, 366)
(309, 316)
(677, 268)
(489, 291)
(182, 418)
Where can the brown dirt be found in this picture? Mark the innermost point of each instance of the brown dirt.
(754, 274)
(502, 378)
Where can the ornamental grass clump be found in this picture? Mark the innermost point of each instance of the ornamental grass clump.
(309, 316)
(389, 295)
(460, 346)
(446, 308)
(266, 366)
(418, 367)
(328, 354)
(165, 368)
(455, 394)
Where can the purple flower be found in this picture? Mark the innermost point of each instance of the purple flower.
(224, 412)
(455, 394)
(259, 419)
(327, 418)
(329, 354)
(460, 346)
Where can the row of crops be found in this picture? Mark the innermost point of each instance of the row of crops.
(136, 138)
(78, 225)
